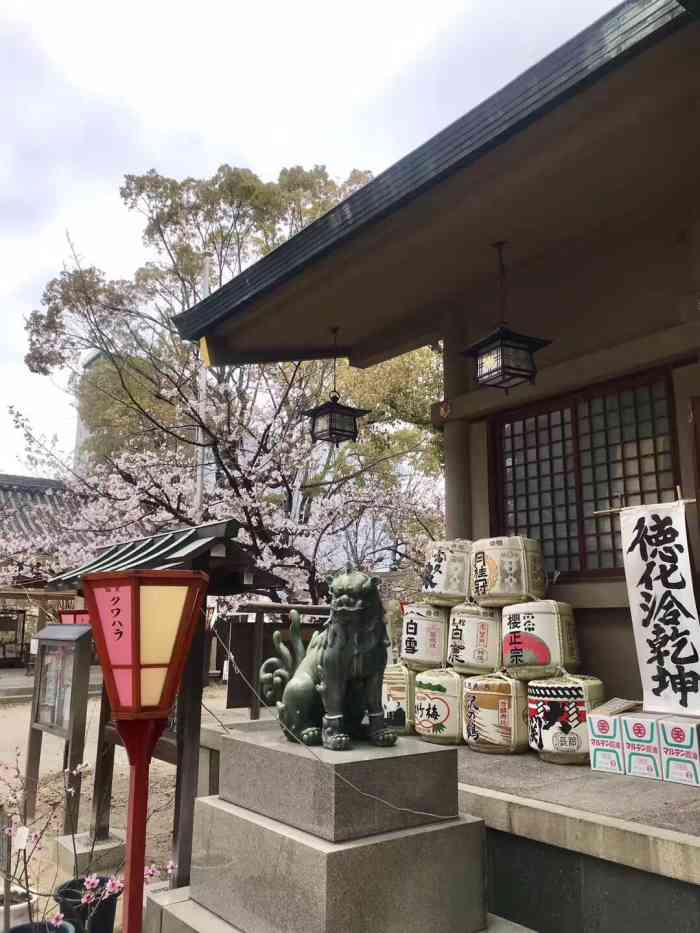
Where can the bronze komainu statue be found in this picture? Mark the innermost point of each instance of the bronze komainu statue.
(324, 694)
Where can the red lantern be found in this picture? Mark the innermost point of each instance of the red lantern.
(143, 622)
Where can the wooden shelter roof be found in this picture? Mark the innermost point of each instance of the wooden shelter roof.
(211, 547)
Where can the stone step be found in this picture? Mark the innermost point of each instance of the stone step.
(267, 877)
(166, 913)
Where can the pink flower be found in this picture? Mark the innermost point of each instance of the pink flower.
(56, 920)
(170, 868)
(91, 883)
(152, 872)
(87, 898)
(114, 885)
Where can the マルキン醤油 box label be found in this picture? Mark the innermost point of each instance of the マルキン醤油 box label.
(605, 735)
(640, 733)
(680, 750)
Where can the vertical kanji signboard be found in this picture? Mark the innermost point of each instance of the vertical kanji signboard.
(662, 602)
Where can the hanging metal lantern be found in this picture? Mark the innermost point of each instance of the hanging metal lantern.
(332, 421)
(504, 358)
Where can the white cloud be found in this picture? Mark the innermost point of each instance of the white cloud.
(94, 90)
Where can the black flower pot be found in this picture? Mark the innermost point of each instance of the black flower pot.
(43, 926)
(68, 897)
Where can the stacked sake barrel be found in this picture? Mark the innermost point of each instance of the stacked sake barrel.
(436, 691)
(533, 700)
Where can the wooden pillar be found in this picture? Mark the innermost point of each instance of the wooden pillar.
(104, 772)
(457, 377)
(257, 662)
(189, 720)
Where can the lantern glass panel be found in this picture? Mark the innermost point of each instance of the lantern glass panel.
(489, 363)
(114, 617)
(518, 358)
(152, 682)
(161, 612)
(125, 685)
(344, 424)
(322, 425)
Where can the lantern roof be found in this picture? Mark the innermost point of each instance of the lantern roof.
(211, 547)
(504, 334)
(332, 405)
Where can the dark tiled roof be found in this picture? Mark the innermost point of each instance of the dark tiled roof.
(30, 505)
(607, 44)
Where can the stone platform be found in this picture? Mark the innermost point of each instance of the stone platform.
(309, 853)
(267, 774)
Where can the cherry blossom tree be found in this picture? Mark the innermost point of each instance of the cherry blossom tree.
(303, 510)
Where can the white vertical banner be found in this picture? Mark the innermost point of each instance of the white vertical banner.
(662, 603)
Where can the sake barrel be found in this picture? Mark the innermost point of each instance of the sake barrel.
(474, 642)
(558, 709)
(539, 639)
(424, 636)
(495, 714)
(438, 706)
(398, 697)
(446, 572)
(506, 570)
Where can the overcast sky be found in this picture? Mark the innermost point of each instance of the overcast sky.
(91, 91)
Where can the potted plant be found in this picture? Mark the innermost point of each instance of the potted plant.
(95, 898)
(21, 904)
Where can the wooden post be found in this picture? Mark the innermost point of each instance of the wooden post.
(457, 379)
(76, 732)
(257, 662)
(104, 772)
(31, 768)
(189, 719)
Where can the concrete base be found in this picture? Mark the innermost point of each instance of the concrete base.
(265, 877)
(102, 856)
(176, 912)
(262, 771)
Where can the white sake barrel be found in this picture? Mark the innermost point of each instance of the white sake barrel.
(558, 709)
(398, 698)
(495, 714)
(539, 639)
(474, 642)
(446, 572)
(506, 570)
(438, 706)
(424, 636)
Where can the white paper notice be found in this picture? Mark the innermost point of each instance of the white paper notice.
(662, 603)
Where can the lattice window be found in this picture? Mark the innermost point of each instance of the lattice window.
(559, 463)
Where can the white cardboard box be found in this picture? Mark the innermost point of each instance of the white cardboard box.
(642, 744)
(605, 735)
(680, 749)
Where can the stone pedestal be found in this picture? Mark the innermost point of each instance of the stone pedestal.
(264, 772)
(291, 847)
(100, 857)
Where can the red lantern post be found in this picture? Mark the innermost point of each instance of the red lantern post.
(143, 623)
